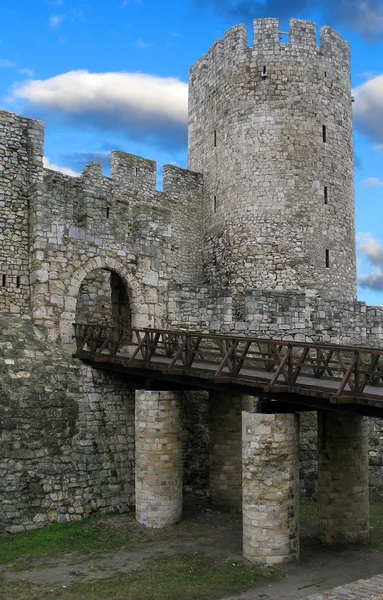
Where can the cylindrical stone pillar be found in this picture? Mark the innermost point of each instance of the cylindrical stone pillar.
(225, 475)
(270, 487)
(158, 458)
(342, 478)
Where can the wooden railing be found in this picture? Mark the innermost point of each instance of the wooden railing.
(341, 373)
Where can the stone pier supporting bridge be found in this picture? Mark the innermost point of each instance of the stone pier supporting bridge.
(258, 388)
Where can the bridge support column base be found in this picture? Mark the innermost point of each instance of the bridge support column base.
(342, 478)
(270, 455)
(158, 458)
(225, 475)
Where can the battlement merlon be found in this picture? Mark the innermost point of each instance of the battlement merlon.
(60, 197)
(299, 43)
(136, 176)
(22, 136)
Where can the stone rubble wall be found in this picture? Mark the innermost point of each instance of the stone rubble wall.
(67, 434)
(278, 315)
(94, 304)
(195, 444)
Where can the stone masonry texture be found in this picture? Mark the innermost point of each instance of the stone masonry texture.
(226, 449)
(270, 456)
(342, 478)
(158, 458)
(67, 434)
(236, 244)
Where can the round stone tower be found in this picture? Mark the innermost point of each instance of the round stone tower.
(270, 129)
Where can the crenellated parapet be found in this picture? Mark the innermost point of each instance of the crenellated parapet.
(269, 43)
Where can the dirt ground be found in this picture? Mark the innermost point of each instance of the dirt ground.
(217, 534)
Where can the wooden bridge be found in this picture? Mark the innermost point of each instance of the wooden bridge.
(285, 375)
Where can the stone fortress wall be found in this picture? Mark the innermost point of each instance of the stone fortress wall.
(240, 247)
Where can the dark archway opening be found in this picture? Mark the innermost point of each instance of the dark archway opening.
(103, 299)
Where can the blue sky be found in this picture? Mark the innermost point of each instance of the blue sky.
(112, 75)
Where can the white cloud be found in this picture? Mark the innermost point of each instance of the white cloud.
(6, 64)
(65, 170)
(27, 72)
(378, 147)
(372, 250)
(56, 20)
(372, 182)
(141, 44)
(127, 2)
(372, 281)
(368, 108)
(144, 106)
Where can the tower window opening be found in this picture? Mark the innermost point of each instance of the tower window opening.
(325, 73)
(3, 280)
(325, 193)
(327, 259)
(18, 281)
(107, 212)
(215, 138)
(215, 204)
(264, 71)
(136, 171)
(324, 133)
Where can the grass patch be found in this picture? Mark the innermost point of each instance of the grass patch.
(87, 537)
(376, 525)
(190, 577)
(308, 512)
(375, 541)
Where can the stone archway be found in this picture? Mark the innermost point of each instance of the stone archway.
(132, 287)
(103, 299)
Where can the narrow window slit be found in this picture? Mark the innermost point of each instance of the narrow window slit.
(136, 171)
(107, 212)
(327, 259)
(264, 71)
(215, 138)
(215, 204)
(325, 194)
(4, 280)
(324, 133)
(18, 281)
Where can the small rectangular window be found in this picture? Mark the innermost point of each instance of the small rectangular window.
(107, 212)
(325, 194)
(4, 280)
(136, 171)
(215, 204)
(327, 259)
(215, 138)
(18, 281)
(324, 133)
